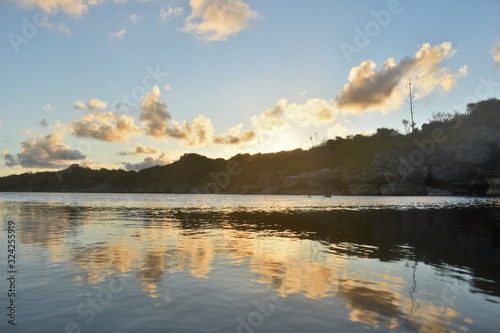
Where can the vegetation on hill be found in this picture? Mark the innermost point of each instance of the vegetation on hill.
(352, 155)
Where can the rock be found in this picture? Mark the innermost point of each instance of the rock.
(318, 191)
(319, 182)
(271, 190)
(349, 179)
(388, 189)
(417, 176)
(438, 192)
(252, 189)
(387, 160)
(491, 135)
(331, 177)
(494, 186)
(458, 190)
(469, 166)
(363, 189)
(403, 189)
(324, 176)
(446, 166)
(480, 151)
(379, 176)
(271, 178)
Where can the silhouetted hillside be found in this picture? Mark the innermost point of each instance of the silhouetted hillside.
(452, 154)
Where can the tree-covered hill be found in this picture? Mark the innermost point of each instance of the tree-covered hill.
(456, 153)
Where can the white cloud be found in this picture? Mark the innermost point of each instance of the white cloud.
(235, 135)
(154, 115)
(49, 152)
(48, 107)
(155, 119)
(117, 35)
(428, 76)
(93, 104)
(149, 162)
(216, 20)
(142, 150)
(199, 133)
(272, 119)
(134, 18)
(338, 130)
(385, 89)
(60, 28)
(78, 105)
(166, 14)
(87, 163)
(75, 8)
(343, 128)
(315, 112)
(104, 126)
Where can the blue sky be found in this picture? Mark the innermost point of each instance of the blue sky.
(129, 84)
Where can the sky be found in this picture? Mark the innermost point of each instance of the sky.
(132, 84)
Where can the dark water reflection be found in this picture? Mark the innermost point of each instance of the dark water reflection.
(256, 264)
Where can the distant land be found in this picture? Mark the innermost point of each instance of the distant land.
(453, 154)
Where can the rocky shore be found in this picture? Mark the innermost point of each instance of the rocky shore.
(426, 168)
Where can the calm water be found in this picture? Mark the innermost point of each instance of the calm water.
(221, 263)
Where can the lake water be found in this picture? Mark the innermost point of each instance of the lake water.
(235, 263)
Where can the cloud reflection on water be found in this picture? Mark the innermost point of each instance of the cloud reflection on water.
(356, 257)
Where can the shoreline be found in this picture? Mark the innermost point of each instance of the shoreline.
(259, 194)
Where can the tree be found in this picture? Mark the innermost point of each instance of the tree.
(316, 142)
(410, 102)
(386, 132)
(407, 126)
(441, 117)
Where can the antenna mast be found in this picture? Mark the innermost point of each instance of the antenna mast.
(411, 106)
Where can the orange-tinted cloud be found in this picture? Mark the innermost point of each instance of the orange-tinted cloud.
(272, 119)
(384, 89)
(149, 162)
(158, 123)
(154, 115)
(315, 112)
(141, 150)
(93, 104)
(216, 20)
(495, 52)
(104, 126)
(75, 8)
(199, 132)
(235, 135)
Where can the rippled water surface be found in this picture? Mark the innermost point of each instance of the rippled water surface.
(235, 263)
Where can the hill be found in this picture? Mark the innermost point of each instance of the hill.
(453, 154)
